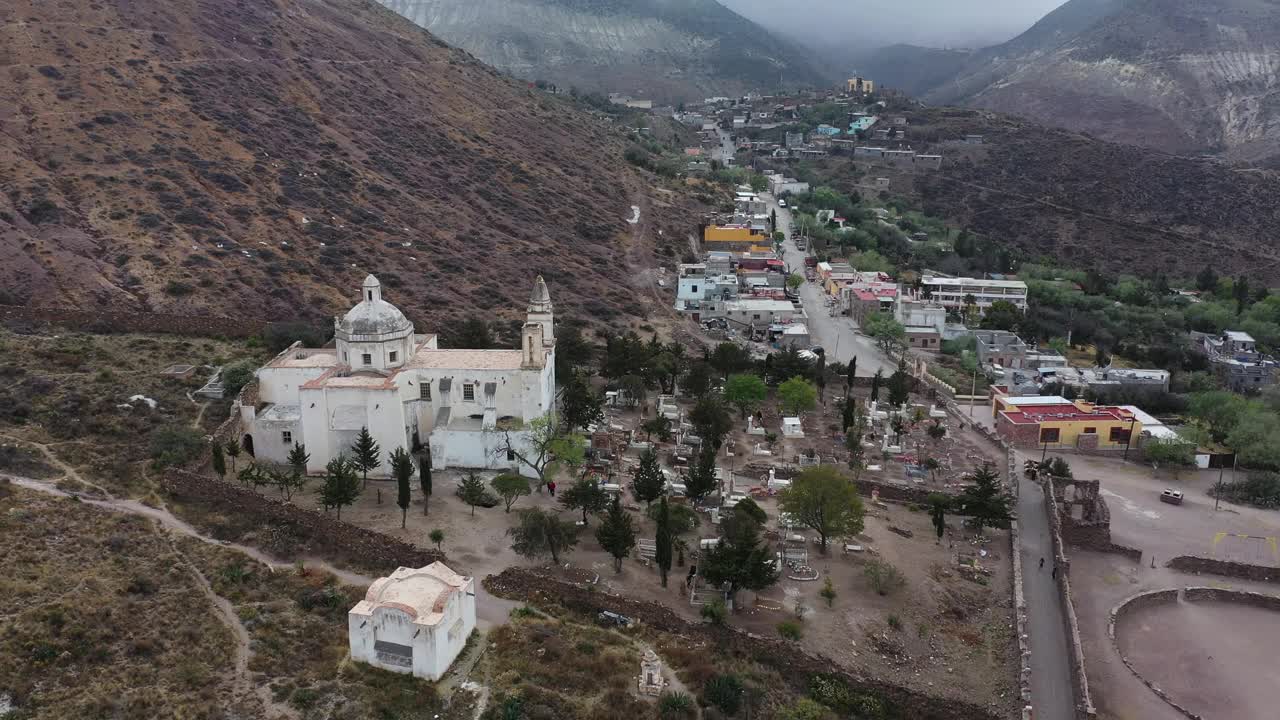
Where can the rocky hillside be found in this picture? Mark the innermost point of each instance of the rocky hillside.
(1184, 76)
(260, 157)
(667, 50)
(1063, 196)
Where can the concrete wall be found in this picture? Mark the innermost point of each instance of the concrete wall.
(1225, 568)
(1084, 708)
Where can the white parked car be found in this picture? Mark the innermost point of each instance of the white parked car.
(782, 203)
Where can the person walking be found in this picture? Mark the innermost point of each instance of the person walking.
(1041, 563)
(1054, 574)
(551, 487)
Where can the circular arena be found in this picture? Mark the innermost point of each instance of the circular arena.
(1208, 652)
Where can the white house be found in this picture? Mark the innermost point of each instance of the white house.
(415, 621)
(380, 374)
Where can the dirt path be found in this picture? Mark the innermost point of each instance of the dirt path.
(244, 682)
(57, 462)
(170, 522)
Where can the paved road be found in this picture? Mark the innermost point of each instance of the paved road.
(1051, 691)
(837, 335)
(727, 148)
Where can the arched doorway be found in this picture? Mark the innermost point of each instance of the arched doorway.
(247, 444)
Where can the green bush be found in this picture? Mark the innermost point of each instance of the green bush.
(895, 622)
(682, 517)
(674, 705)
(724, 692)
(791, 629)
(234, 377)
(715, 611)
(175, 446)
(1261, 489)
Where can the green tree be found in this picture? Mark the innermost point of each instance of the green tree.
(572, 349)
(424, 479)
(711, 420)
(745, 392)
(899, 388)
(759, 183)
(697, 380)
(824, 501)
(1220, 411)
(473, 333)
(585, 495)
(985, 502)
(542, 533)
(510, 487)
(436, 536)
(659, 425)
(1207, 280)
(235, 377)
(545, 449)
(617, 533)
(797, 395)
(701, 480)
(288, 482)
(1002, 315)
(1173, 454)
(233, 452)
(581, 405)
(876, 381)
(662, 555)
(828, 592)
(740, 560)
(341, 486)
(648, 483)
(472, 492)
(939, 504)
(850, 375)
(298, 459)
(219, 461)
(888, 333)
(402, 470)
(794, 281)
(729, 358)
(366, 454)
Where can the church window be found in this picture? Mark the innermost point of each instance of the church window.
(366, 358)
(370, 296)
(286, 437)
(424, 390)
(392, 357)
(469, 392)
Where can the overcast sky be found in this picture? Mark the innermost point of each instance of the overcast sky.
(935, 23)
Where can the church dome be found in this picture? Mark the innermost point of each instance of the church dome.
(373, 316)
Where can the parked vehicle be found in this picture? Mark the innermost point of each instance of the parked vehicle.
(1173, 497)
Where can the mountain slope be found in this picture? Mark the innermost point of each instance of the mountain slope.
(204, 156)
(1184, 76)
(664, 49)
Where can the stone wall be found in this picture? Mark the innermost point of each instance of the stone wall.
(1145, 600)
(1226, 568)
(1084, 709)
(1085, 518)
(23, 317)
(307, 532)
(796, 666)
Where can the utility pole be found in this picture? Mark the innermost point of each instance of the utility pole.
(1128, 440)
(1217, 493)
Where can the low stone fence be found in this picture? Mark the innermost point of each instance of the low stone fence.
(308, 532)
(794, 664)
(1226, 568)
(24, 317)
(1145, 600)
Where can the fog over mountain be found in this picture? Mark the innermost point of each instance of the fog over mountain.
(933, 23)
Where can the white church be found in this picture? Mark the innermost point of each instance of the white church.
(382, 375)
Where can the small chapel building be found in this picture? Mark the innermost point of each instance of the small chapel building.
(414, 621)
(465, 405)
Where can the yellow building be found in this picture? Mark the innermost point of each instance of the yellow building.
(735, 238)
(860, 85)
(1057, 423)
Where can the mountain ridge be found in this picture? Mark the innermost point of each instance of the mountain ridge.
(1181, 76)
(667, 50)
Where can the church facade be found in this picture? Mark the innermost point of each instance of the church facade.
(466, 405)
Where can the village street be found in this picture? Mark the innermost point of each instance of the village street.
(837, 335)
